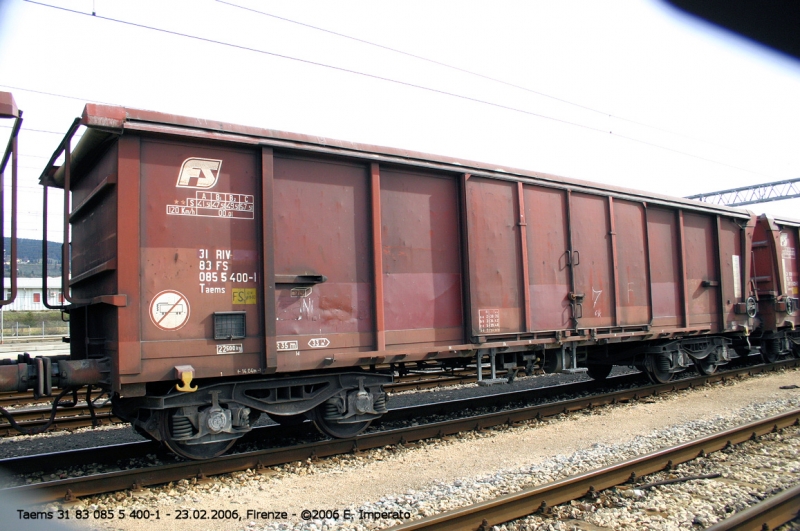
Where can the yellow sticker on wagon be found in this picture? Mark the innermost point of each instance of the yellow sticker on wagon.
(244, 295)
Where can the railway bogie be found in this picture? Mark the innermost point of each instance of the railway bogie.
(219, 411)
(219, 272)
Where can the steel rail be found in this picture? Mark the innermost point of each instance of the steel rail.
(427, 382)
(482, 516)
(431, 381)
(769, 514)
(66, 418)
(32, 417)
(109, 453)
(79, 417)
(70, 488)
(14, 399)
(528, 395)
(64, 423)
(404, 383)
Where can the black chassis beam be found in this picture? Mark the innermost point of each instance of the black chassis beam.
(279, 396)
(682, 350)
(700, 347)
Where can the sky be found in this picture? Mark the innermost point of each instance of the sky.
(626, 93)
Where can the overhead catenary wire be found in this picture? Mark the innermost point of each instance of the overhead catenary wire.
(45, 93)
(390, 80)
(469, 72)
(32, 130)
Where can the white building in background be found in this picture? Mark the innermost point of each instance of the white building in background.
(29, 294)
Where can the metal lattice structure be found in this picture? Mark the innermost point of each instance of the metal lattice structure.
(757, 193)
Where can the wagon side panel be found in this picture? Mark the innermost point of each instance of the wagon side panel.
(702, 275)
(496, 297)
(591, 238)
(730, 278)
(665, 267)
(321, 228)
(632, 274)
(200, 287)
(421, 259)
(548, 276)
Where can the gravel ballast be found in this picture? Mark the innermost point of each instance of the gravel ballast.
(20, 445)
(384, 487)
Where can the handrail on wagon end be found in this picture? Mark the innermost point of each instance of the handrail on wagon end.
(46, 180)
(8, 109)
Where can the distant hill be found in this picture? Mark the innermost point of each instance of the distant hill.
(29, 256)
(31, 250)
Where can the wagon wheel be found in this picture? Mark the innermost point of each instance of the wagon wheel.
(194, 452)
(551, 363)
(706, 365)
(657, 369)
(770, 350)
(334, 429)
(599, 372)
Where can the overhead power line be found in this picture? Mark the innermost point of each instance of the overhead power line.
(465, 71)
(33, 130)
(53, 93)
(750, 195)
(386, 79)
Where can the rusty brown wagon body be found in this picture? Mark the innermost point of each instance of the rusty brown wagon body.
(775, 275)
(268, 270)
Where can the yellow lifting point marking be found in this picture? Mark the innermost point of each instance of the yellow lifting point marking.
(185, 386)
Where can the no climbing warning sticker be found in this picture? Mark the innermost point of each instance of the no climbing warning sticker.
(169, 310)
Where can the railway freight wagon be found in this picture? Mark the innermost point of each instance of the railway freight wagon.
(218, 272)
(775, 275)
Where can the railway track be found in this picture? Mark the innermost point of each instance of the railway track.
(258, 460)
(17, 399)
(769, 514)
(75, 414)
(418, 381)
(79, 416)
(484, 515)
(71, 418)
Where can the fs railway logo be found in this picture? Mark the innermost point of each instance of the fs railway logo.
(199, 173)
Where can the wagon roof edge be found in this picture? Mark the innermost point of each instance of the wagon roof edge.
(115, 119)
